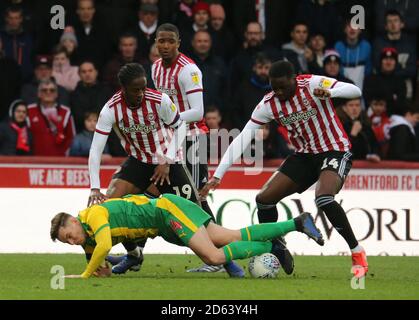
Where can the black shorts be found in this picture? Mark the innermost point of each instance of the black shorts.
(196, 160)
(305, 168)
(139, 173)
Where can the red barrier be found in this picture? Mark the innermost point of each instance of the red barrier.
(70, 172)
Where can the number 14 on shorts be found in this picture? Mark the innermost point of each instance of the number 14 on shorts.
(334, 163)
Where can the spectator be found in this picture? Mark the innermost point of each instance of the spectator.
(332, 65)
(297, 50)
(317, 44)
(91, 33)
(80, 146)
(153, 56)
(10, 81)
(377, 114)
(403, 137)
(321, 16)
(359, 131)
(17, 43)
(387, 80)
(355, 54)
(51, 123)
(127, 53)
(146, 28)
(405, 46)
(183, 14)
(200, 18)
(274, 16)
(68, 41)
(213, 118)
(223, 40)
(213, 69)
(15, 137)
(407, 9)
(64, 74)
(251, 91)
(242, 63)
(89, 95)
(43, 71)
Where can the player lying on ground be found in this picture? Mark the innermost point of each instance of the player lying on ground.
(178, 221)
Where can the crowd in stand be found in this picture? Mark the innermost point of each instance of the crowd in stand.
(54, 82)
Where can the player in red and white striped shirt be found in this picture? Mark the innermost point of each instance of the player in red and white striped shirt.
(151, 131)
(303, 106)
(178, 76)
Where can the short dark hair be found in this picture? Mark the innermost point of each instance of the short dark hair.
(212, 108)
(169, 28)
(282, 68)
(13, 8)
(127, 34)
(60, 49)
(393, 12)
(261, 58)
(299, 23)
(57, 222)
(129, 72)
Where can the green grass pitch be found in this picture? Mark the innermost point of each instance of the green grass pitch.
(163, 277)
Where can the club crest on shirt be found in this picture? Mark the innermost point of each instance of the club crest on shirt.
(150, 117)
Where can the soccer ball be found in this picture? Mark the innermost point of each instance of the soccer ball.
(264, 266)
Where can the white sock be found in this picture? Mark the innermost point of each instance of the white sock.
(135, 253)
(357, 249)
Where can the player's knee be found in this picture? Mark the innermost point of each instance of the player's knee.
(324, 199)
(213, 258)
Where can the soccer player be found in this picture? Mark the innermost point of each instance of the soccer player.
(178, 76)
(151, 132)
(303, 106)
(177, 220)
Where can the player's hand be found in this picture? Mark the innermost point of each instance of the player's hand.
(96, 197)
(103, 271)
(356, 128)
(321, 93)
(161, 174)
(212, 184)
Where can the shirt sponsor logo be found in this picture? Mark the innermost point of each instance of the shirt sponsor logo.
(297, 117)
(169, 92)
(138, 128)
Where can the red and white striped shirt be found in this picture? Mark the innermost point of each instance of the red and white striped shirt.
(144, 131)
(312, 124)
(179, 80)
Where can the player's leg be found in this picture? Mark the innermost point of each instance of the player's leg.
(334, 168)
(304, 223)
(131, 178)
(215, 244)
(293, 176)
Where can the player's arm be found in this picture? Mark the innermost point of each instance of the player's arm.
(99, 223)
(191, 80)
(324, 87)
(100, 137)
